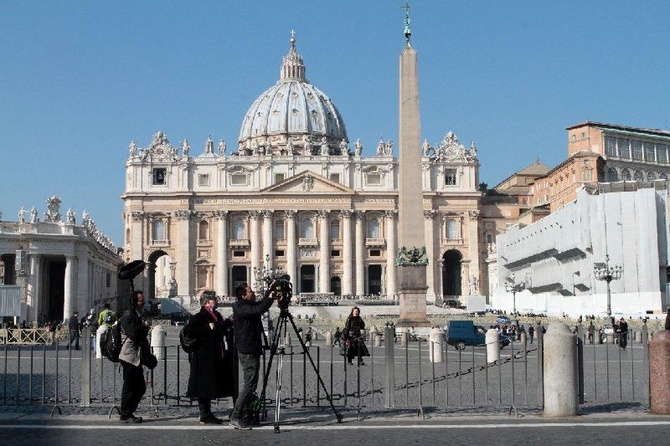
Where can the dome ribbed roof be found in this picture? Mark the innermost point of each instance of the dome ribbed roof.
(293, 117)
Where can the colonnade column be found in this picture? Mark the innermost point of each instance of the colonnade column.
(291, 246)
(255, 244)
(267, 237)
(391, 248)
(33, 301)
(429, 229)
(347, 254)
(324, 252)
(69, 302)
(222, 284)
(473, 236)
(360, 253)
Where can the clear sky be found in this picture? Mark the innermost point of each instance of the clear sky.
(80, 79)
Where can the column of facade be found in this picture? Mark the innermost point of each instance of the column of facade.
(222, 285)
(324, 252)
(255, 242)
(69, 301)
(360, 253)
(391, 248)
(291, 255)
(429, 229)
(268, 252)
(185, 267)
(473, 243)
(347, 254)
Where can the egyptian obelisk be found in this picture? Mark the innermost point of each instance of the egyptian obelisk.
(411, 259)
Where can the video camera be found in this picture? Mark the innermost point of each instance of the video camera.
(282, 287)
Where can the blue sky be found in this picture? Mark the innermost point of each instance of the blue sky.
(80, 79)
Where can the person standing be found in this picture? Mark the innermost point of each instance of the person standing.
(337, 337)
(73, 326)
(353, 331)
(248, 340)
(211, 365)
(622, 331)
(106, 319)
(531, 333)
(134, 332)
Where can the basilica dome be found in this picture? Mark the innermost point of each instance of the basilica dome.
(293, 117)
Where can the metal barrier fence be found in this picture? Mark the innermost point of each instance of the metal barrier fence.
(397, 375)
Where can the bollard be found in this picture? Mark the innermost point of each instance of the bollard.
(378, 340)
(659, 373)
(610, 338)
(158, 341)
(98, 335)
(404, 336)
(492, 345)
(560, 371)
(435, 343)
(523, 338)
(638, 336)
(329, 339)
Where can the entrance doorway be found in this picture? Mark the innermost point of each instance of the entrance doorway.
(374, 279)
(451, 274)
(239, 277)
(306, 279)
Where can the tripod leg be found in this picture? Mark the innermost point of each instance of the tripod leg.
(281, 327)
(316, 370)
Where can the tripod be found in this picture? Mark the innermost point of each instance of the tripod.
(276, 349)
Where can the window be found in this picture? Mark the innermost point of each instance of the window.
(158, 176)
(307, 228)
(373, 179)
(238, 179)
(637, 150)
(450, 177)
(638, 175)
(203, 179)
(610, 146)
(279, 177)
(451, 229)
(373, 228)
(238, 229)
(375, 253)
(203, 230)
(108, 280)
(335, 177)
(587, 175)
(334, 252)
(279, 230)
(662, 153)
(334, 229)
(279, 253)
(625, 174)
(624, 148)
(159, 231)
(649, 152)
(238, 254)
(489, 237)
(651, 176)
(612, 174)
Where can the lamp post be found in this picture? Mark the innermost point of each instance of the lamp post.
(514, 287)
(603, 271)
(264, 272)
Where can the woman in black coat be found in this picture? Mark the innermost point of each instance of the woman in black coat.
(212, 364)
(353, 338)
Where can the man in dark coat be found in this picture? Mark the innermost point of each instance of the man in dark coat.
(248, 340)
(212, 374)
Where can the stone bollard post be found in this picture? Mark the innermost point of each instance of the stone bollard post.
(560, 371)
(329, 339)
(610, 338)
(435, 343)
(659, 373)
(404, 336)
(492, 345)
(158, 341)
(98, 335)
(523, 339)
(638, 336)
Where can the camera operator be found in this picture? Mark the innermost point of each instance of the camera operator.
(248, 328)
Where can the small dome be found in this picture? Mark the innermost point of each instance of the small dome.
(293, 117)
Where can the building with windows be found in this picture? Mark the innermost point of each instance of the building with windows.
(294, 192)
(49, 267)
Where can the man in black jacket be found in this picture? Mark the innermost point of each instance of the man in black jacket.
(248, 328)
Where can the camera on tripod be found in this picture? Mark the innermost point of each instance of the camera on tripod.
(282, 287)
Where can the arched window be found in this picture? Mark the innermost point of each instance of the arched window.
(335, 229)
(238, 229)
(203, 230)
(625, 174)
(279, 230)
(651, 175)
(307, 228)
(159, 231)
(638, 175)
(373, 228)
(612, 174)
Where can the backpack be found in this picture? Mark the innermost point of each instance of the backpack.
(109, 317)
(188, 343)
(110, 342)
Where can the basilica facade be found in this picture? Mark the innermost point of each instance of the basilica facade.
(296, 193)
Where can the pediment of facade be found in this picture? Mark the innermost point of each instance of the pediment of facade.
(308, 182)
